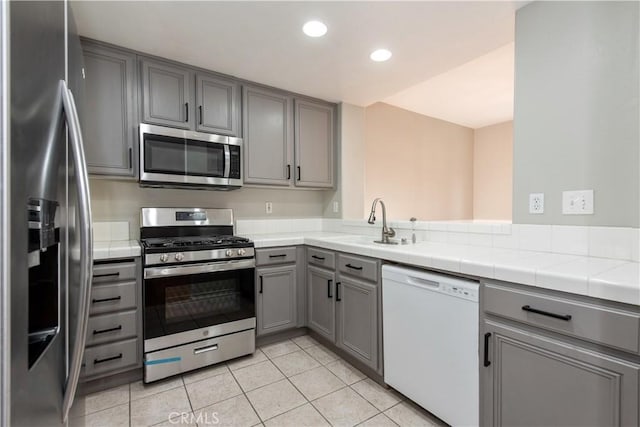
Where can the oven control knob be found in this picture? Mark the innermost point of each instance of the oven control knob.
(164, 257)
(179, 257)
(241, 252)
(229, 252)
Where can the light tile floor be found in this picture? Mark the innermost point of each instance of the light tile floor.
(294, 383)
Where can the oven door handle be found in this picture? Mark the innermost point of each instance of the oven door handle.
(211, 267)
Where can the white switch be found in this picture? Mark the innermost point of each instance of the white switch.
(269, 207)
(536, 203)
(579, 202)
(336, 207)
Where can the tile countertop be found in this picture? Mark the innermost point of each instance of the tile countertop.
(111, 249)
(609, 279)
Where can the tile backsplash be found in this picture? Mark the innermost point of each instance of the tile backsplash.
(111, 230)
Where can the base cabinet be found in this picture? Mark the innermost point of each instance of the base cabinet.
(321, 306)
(535, 380)
(357, 319)
(277, 299)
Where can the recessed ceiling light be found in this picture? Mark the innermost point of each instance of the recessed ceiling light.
(314, 29)
(380, 55)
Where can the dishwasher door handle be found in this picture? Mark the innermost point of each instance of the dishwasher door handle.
(422, 283)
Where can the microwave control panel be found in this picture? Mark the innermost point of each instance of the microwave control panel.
(234, 166)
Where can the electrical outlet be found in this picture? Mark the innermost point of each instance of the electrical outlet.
(578, 202)
(536, 203)
(336, 207)
(269, 207)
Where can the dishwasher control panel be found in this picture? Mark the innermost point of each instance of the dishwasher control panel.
(468, 292)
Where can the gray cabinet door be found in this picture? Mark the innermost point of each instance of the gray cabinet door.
(357, 319)
(314, 140)
(167, 94)
(277, 298)
(534, 380)
(218, 103)
(267, 134)
(111, 115)
(321, 307)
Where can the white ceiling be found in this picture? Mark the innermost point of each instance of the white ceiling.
(263, 42)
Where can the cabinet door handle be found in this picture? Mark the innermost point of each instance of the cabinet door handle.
(565, 317)
(108, 359)
(338, 291)
(487, 362)
(186, 112)
(130, 158)
(353, 267)
(278, 256)
(329, 288)
(95, 276)
(200, 113)
(104, 331)
(317, 257)
(261, 284)
(299, 175)
(107, 299)
(288, 172)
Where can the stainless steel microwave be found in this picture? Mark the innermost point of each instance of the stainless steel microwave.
(185, 159)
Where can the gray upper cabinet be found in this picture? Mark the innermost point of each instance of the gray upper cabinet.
(314, 140)
(533, 380)
(111, 115)
(167, 94)
(267, 119)
(218, 105)
(277, 301)
(357, 319)
(321, 305)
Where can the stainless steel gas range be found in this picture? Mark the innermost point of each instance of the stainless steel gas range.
(199, 290)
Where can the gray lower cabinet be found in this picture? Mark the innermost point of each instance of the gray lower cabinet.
(111, 110)
(535, 380)
(218, 103)
(314, 141)
(167, 94)
(267, 118)
(321, 308)
(357, 319)
(114, 331)
(277, 298)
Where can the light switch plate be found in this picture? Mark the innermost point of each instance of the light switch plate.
(579, 202)
(269, 207)
(536, 203)
(336, 207)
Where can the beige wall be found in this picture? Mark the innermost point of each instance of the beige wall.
(420, 166)
(122, 200)
(493, 172)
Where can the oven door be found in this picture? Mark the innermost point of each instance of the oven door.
(192, 302)
(183, 157)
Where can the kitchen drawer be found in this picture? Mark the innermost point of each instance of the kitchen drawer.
(111, 327)
(110, 357)
(106, 298)
(114, 272)
(365, 268)
(604, 325)
(275, 255)
(321, 258)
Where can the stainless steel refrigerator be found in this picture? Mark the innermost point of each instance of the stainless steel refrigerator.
(45, 218)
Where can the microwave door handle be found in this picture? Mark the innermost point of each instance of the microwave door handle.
(86, 244)
(227, 161)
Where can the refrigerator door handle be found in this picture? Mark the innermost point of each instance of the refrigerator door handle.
(86, 245)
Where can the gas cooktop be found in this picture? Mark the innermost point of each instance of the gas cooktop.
(193, 243)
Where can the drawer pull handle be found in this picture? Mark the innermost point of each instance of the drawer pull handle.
(205, 349)
(338, 299)
(329, 288)
(353, 267)
(487, 362)
(278, 256)
(261, 284)
(317, 257)
(565, 317)
(107, 299)
(108, 359)
(95, 276)
(104, 331)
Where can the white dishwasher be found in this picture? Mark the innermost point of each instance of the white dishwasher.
(430, 327)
